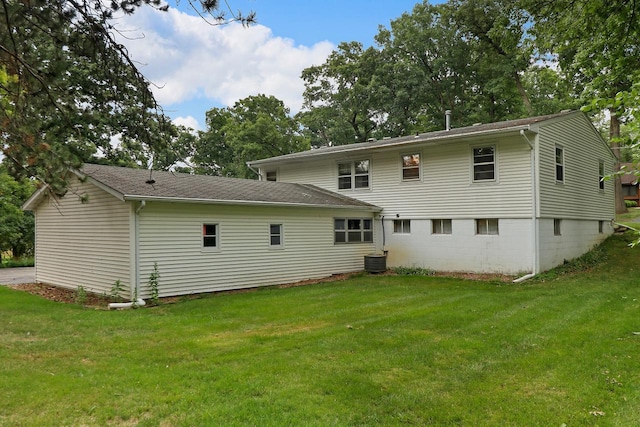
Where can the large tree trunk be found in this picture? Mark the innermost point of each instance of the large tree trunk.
(614, 140)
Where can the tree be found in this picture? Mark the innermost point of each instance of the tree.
(17, 226)
(67, 88)
(255, 128)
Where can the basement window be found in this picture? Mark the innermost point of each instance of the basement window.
(557, 227)
(487, 226)
(440, 226)
(210, 235)
(402, 226)
(353, 230)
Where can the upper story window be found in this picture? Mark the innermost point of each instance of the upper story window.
(484, 163)
(272, 175)
(559, 164)
(210, 235)
(411, 167)
(353, 230)
(601, 174)
(353, 174)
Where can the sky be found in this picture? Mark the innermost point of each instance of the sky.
(194, 66)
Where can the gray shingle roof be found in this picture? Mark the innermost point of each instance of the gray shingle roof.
(131, 184)
(480, 129)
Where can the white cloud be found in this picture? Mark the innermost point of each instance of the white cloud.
(190, 59)
(189, 121)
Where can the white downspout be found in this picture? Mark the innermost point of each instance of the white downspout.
(534, 208)
(139, 302)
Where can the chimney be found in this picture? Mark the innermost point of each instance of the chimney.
(447, 120)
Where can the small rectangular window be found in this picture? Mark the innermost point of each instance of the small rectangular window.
(601, 174)
(557, 224)
(275, 234)
(210, 235)
(272, 175)
(441, 226)
(600, 227)
(559, 164)
(484, 164)
(353, 174)
(487, 226)
(402, 226)
(353, 230)
(411, 167)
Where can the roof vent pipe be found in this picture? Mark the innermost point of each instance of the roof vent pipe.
(447, 120)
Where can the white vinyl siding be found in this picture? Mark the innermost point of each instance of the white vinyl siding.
(170, 234)
(582, 152)
(446, 189)
(83, 244)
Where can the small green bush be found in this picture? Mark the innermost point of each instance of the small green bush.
(631, 203)
(16, 262)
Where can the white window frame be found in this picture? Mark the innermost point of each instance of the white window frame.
(279, 234)
(441, 226)
(475, 164)
(404, 167)
(354, 175)
(216, 236)
(559, 165)
(484, 227)
(401, 226)
(267, 173)
(349, 231)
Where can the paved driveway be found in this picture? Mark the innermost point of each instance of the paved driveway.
(15, 276)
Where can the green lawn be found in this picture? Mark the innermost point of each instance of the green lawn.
(372, 350)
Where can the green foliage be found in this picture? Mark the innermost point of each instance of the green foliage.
(255, 128)
(116, 291)
(412, 271)
(153, 284)
(17, 262)
(81, 295)
(631, 203)
(16, 225)
(584, 263)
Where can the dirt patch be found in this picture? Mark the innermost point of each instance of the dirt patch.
(90, 300)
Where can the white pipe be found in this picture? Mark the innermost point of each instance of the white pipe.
(523, 278)
(534, 208)
(138, 303)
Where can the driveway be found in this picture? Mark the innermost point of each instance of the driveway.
(19, 275)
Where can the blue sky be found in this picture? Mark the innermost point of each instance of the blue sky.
(196, 67)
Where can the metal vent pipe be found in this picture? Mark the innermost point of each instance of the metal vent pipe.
(447, 120)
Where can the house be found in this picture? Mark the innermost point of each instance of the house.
(204, 233)
(515, 197)
(630, 188)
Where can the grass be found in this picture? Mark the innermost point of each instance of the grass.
(629, 218)
(368, 351)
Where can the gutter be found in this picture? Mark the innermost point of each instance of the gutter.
(535, 241)
(139, 302)
(254, 171)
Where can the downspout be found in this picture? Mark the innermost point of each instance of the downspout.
(534, 207)
(139, 302)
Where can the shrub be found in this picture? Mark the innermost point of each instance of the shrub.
(412, 271)
(631, 203)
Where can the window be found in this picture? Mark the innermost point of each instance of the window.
(210, 235)
(601, 174)
(275, 234)
(559, 164)
(353, 174)
(402, 226)
(272, 175)
(441, 226)
(630, 190)
(353, 230)
(557, 223)
(600, 227)
(484, 164)
(487, 226)
(411, 167)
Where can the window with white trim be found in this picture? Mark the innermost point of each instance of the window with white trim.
(353, 175)
(272, 175)
(484, 163)
(487, 226)
(353, 230)
(210, 236)
(559, 164)
(410, 167)
(601, 174)
(440, 226)
(402, 226)
(275, 235)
